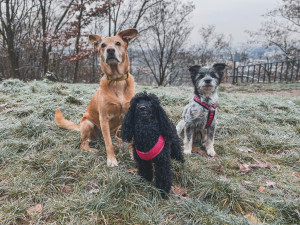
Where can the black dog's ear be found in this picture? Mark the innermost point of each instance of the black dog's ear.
(164, 122)
(128, 124)
(220, 67)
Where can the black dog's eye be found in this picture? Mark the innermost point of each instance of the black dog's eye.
(118, 43)
(103, 45)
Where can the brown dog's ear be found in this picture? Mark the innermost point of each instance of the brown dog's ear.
(95, 39)
(128, 34)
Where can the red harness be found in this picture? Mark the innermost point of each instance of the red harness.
(154, 151)
(211, 113)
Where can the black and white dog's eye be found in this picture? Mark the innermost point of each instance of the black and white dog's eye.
(103, 45)
(118, 43)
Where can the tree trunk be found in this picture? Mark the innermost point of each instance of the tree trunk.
(44, 27)
(77, 48)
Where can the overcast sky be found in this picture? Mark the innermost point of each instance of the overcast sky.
(230, 16)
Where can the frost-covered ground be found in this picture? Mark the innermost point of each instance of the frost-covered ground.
(46, 179)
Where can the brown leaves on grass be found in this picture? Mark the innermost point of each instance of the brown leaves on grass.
(245, 168)
(180, 191)
(262, 189)
(198, 151)
(296, 174)
(66, 189)
(252, 219)
(220, 170)
(34, 209)
(5, 111)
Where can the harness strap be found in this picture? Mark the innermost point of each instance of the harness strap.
(211, 113)
(157, 148)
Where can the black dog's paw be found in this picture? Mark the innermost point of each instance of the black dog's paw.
(164, 195)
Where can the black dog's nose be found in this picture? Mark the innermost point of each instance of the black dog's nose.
(142, 107)
(110, 50)
(207, 81)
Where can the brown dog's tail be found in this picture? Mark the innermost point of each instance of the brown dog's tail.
(63, 123)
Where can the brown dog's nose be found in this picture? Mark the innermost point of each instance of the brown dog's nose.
(110, 50)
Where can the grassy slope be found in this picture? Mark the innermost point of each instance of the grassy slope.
(42, 164)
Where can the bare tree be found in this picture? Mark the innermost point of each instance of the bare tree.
(46, 10)
(128, 13)
(212, 46)
(167, 33)
(13, 14)
(281, 30)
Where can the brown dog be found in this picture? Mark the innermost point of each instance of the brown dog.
(112, 99)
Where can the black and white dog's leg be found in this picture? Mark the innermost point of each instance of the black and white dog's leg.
(203, 137)
(188, 139)
(163, 176)
(209, 144)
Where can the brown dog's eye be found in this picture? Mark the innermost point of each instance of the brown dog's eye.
(103, 45)
(118, 43)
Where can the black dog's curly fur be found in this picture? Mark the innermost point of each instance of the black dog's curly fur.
(144, 122)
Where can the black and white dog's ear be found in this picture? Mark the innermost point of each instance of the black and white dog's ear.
(128, 124)
(220, 67)
(194, 69)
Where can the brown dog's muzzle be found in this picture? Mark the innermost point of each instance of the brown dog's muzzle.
(111, 57)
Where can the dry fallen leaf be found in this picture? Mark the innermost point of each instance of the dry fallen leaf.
(244, 168)
(66, 189)
(244, 149)
(261, 164)
(198, 151)
(180, 191)
(132, 170)
(34, 209)
(221, 170)
(7, 110)
(252, 219)
(296, 174)
(262, 189)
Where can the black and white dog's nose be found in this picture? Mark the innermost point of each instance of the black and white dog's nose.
(207, 81)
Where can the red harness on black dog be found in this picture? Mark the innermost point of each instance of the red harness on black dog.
(154, 151)
(211, 113)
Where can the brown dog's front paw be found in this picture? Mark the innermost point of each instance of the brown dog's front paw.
(112, 162)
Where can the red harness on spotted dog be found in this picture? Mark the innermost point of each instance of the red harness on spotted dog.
(154, 151)
(211, 113)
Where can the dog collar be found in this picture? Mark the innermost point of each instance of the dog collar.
(154, 151)
(124, 77)
(211, 113)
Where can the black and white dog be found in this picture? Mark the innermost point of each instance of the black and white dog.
(199, 118)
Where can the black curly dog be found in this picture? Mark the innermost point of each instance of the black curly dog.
(145, 122)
